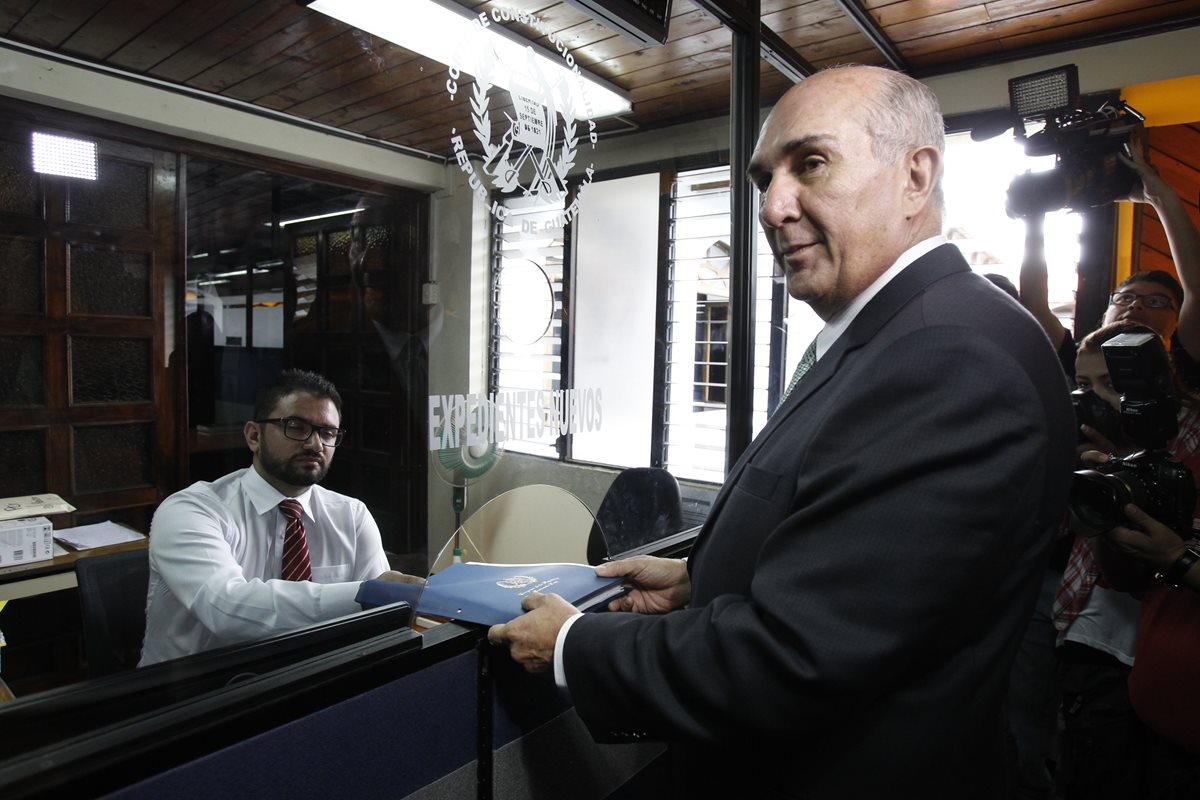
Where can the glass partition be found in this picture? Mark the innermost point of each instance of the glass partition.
(533, 524)
(505, 328)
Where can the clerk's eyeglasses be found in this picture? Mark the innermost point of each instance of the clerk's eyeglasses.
(1154, 300)
(301, 429)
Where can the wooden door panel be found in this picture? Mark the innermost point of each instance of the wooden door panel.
(87, 404)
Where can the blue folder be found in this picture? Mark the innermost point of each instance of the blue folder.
(488, 594)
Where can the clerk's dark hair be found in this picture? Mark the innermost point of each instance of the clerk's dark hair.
(291, 381)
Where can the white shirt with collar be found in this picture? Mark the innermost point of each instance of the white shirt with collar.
(834, 327)
(215, 563)
(839, 322)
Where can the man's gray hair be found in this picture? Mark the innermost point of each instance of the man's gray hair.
(901, 115)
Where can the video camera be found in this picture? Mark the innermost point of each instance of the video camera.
(1159, 485)
(1085, 144)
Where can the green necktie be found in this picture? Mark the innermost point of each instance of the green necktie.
(806, 361)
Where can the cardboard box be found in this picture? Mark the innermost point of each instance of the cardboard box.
(25, 540)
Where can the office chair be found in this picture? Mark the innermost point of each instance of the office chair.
(642, 505)
(112, 603)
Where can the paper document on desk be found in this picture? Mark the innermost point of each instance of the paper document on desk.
(85, 537)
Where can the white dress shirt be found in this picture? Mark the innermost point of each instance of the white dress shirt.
(834, 327)
(839, 322)
(215, 564)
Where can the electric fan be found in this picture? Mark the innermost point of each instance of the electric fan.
(459, 467)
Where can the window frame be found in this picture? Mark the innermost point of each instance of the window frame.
(1095, 270)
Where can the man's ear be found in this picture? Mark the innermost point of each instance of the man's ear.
(924, 166)
(251, 431)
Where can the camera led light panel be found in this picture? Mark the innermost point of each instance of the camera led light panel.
(1051, 90)
(60, 155)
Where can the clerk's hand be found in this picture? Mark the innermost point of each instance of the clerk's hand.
(530, 637)
(400, 577)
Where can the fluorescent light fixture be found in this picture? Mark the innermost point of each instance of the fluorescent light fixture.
(287, 222)
(489, 53)
(241, 271)
(60, 155)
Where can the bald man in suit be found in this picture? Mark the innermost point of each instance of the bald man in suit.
(844, 624)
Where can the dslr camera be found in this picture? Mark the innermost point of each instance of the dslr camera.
(1085, 143)
(1095, 412)
(1149, 478)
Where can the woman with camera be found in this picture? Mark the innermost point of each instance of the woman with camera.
(1100, 753)
(1157, 564)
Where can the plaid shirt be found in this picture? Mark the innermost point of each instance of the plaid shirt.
(1185, 448)
(1077, 581)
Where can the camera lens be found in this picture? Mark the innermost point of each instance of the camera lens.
(1036, 193)
(1098, 500)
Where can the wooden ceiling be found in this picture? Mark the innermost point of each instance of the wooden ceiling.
(282, 57)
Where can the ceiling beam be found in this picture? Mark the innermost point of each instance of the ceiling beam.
(738, 16)
(733, 14)
(782, 56)
(870, 28)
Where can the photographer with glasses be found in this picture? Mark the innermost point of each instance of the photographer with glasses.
(1154, 297)
(264, 549)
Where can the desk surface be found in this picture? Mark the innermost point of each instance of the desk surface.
(53, 574)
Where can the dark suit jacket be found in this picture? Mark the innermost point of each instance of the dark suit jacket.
(861, 584)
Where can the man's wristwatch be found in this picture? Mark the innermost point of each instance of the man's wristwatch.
(1172, 576)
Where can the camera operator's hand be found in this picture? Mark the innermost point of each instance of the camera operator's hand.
(1146, 539)
(1183, 237)
(1151, 187)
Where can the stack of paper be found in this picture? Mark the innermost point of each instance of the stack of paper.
(85, 537)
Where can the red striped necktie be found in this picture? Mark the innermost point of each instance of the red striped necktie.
(296, 564)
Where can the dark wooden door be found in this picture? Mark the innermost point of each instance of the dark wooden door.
(88, 408)
(357, 318)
